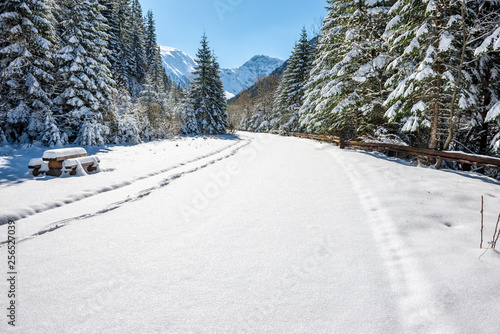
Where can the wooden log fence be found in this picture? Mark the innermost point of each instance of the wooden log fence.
(467, 160)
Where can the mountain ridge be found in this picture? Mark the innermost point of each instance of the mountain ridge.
(180, 66)
(237, 79)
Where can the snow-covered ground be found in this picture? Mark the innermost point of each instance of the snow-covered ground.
(250, 234)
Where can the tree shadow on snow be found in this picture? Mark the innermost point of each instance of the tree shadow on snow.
(14, 161)
(471, 175)
(14, 158)
(221, 137)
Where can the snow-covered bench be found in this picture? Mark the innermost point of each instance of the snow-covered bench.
(38, 166)
(90, 164)
(55, 162)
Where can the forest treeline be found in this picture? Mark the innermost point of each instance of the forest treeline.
(424, 73)
(89, 72)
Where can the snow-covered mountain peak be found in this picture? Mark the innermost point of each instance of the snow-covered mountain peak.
(263, 61)
(165, 49)
(237, 79)
(178, 65)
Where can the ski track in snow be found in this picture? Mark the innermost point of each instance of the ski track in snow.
(338, 260)
(418, 308)
(143, 193)
(30, 211)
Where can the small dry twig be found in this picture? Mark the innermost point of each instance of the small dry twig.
(482, 221)
(496, 234)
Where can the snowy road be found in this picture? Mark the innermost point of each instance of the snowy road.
(263, 234)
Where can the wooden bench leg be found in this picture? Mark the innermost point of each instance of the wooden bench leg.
(36, 171)
(54, 172)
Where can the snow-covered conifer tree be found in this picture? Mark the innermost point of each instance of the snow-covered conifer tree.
(137, 48)
(85, 84)
(26, 41)
(154, 96)
(50, 134)
(107, 11)
(206, 107)
(153, 55)
(189, 118)
(150, 42)
(345, 92)
(484, 22)
(120, 57)
(320, 86)
(152, 101)
(425, 39)
(156, 71)
(290, 93)
(129, 129)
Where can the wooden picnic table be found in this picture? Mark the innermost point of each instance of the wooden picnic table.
(55, 162)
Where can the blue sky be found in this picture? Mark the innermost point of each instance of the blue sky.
(236, 29)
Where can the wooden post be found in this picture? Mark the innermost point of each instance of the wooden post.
(342, 143)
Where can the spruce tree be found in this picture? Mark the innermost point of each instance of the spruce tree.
(50, 133)
(485, 44)
(54, 18)
(290, 93)
(157, 72)
(107, 10)
(425, 39)
(152, 106)
(207, 106)
(150, 40)
(137, 48)
(215, 121)
(482, 133)
(321, 86)
(85, 84)
(120, 57)
(190, 123)
(154, 62)
(154, 101)
(26, 68)
(350, 101)
(153, 97)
